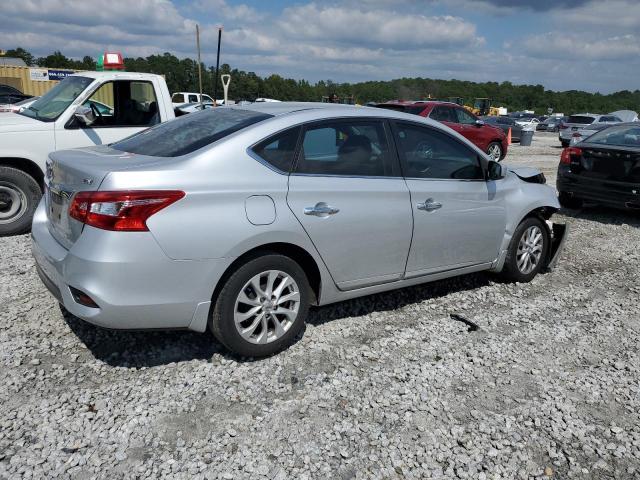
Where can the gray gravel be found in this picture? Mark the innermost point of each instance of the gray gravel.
(388, 386)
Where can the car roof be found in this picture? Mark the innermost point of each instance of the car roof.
(282, 108)
(419, 102)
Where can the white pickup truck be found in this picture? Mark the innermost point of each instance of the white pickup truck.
(84, 109)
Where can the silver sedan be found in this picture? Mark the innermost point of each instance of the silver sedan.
(239, 219)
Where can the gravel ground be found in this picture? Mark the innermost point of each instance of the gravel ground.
(387, 386)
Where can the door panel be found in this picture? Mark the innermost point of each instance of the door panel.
(347, 193)
(466, 230)
(459, 219)
(367, 240)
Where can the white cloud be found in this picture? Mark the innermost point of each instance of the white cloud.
(377, 27)
(583, 47)
(351, 41)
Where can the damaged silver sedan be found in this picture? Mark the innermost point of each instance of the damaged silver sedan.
(238, 219)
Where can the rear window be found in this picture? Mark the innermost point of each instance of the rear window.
(619, 135)
(189, 133)
(412, 109)
(580, 119)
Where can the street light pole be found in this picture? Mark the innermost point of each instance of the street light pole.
(215, 82)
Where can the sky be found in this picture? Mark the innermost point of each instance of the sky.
(591, 45)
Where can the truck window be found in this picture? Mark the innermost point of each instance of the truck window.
(193, 98)
(51, 105)
(207, 98)
(124, 103)
(178, 98)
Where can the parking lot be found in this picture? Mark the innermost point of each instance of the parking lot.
(387, 386)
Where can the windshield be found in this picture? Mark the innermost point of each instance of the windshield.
(618, 135)
(51, 105)
(189, 133)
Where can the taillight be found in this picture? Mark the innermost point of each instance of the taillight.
(565, 158)
(563, 126)
(576, 134)
(124, 211)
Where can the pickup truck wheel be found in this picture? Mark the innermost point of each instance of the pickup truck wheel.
(19, 197)
(527, 251)
(262, 306)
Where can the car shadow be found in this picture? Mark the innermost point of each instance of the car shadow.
(137, 349)
(395, 299)
(606, 215)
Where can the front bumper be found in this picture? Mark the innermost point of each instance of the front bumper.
(607, 193)
(133, 282)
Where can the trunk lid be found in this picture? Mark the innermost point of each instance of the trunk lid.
(608, 164)
(72, 171)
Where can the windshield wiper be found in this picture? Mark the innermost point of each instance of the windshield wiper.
(34, 110)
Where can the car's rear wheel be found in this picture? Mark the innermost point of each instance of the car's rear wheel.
(262, 306)
(494, 150)
(527, 252)
(19, 197)
(569, 201)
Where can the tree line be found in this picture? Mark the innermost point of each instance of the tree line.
(182, 75)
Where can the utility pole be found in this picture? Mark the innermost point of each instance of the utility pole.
(215, 82)
(199, 62)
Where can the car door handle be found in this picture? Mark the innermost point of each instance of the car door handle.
(429, 205)
(321, 209)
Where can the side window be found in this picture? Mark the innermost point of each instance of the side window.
(177, 98)
(444, 114)
(193, 98)
(465, 117)
(207, 98)
(357, 147)
(124, 103)
(279, 149)
(436, 114)
(428, 153)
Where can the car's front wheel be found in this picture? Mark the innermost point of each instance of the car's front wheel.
(494, 150)
(527, 252)
(262, 306)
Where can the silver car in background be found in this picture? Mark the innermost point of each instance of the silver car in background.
(583, 120)
(240, 218)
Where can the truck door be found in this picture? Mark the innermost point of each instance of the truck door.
(121, 108)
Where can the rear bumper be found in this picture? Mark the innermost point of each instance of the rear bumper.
(612, 194)
(134, 284)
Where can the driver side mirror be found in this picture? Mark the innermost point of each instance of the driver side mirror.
(479, 123)
(495, 171)
(85, 115)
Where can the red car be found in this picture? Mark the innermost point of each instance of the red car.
(488, 138)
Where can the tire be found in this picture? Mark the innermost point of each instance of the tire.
(19, 197)
(564, 143)
(494, 150)
(568, 201)
(229, 304)
(516, 272)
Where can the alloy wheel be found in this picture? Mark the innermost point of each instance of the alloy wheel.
(530, 249)
(495, 152)
(266, 307)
